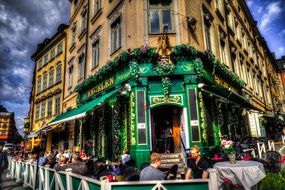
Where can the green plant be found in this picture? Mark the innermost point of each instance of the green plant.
(272, 181)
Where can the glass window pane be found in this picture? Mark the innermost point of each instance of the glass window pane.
(166, 19)
(154, 21)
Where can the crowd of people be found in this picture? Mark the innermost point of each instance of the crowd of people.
(78, 162)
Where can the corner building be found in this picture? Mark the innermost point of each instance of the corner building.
(131, 65)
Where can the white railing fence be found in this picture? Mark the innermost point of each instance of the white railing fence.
(45, 178)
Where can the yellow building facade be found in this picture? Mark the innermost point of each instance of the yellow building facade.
(47, 92)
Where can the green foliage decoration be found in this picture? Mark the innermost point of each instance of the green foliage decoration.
(145, 54)
(183, 52)
(166, 85)
(272, 181)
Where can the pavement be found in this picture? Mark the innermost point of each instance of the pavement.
(10, 184)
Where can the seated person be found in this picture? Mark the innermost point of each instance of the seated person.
(76, 165)
(125, 157)
(198, 166)
(151, 172)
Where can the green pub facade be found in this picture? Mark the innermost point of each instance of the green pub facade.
(128, 101)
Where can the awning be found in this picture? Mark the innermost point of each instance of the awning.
(81, 111)
(229, 95)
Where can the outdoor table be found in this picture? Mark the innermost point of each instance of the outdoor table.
(245, 173)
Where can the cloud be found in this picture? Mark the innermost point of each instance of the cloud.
(282, 33)
(260, 9)
(272, 12)
(24, 24)
(249, 3)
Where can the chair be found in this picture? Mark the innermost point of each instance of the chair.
(273, 159)
(133, 177)
(172, 171)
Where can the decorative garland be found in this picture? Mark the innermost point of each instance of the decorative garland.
(135, 69)
(183, 52)
(166, 85)
(132, 118)
(199, 68)
(116, 131)
(203, 118)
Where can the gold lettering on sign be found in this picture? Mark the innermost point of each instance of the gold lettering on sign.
(102, 86)
(221, 82)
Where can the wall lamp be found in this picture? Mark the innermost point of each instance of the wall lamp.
(201, 85)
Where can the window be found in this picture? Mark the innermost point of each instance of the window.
(46, 59)
(97, 6)
(57, 104)
(243, 69)
(116, 33)
(45, 81)
(70, 75)
(235, 65)
(230, 18)
(37, 111)
(95, 54)
(40, 63)
(80, 66)
(58, 73)
(52, 54)
(223, 52)
(73, 29)
(49, 107)
(84, 19)
(207, 31)
(160, 16)
(59, 48)
(43, 109)
(51, 77)
(39, 82)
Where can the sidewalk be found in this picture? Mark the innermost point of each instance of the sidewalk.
(10, 184)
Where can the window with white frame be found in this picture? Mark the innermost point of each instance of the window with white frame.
(160, 16)
(80, 66)
(57, 104)
(84, 19)
(43, 109)
(51, 77)
(52, 54)
(95, 54)
(58, 73)
(39, 85)
(49, 107)
(40, 63)
(37, 111)
(45, 81)
(59, 48)
(116, 34)
(45, 59)
(97, 6)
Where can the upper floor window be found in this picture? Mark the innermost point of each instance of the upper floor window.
(49, 107)
(208, 31)
(59, 47)
(84, 19)
(46, 59)
(95, 54)
(97, 6)
(116, 34)
(45, 81)
(40, 63)
(39, 85)
(58, 73)
(73, 34)
(51, 77)
(43, 109)
(52, 54)
(70, 75)
(220, 6)
(38, 111)
(80, 66)
(160, 16)
(57, 104)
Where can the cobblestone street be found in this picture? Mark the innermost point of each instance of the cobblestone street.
(10, 184)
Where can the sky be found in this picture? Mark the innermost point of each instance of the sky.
(23, 25)
(26, 23)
